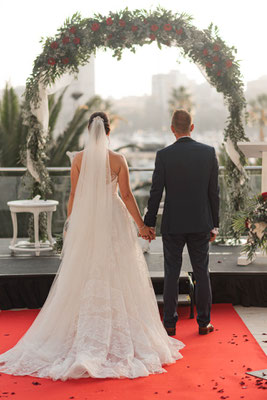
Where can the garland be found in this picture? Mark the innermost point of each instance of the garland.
(252, 221)
(79, 38)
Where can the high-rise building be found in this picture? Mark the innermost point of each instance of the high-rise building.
(162, 85)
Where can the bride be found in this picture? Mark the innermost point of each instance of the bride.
(100, 318)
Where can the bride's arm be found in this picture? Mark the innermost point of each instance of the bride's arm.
(129, 199)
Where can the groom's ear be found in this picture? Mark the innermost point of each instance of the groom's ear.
(172, 128)
(192, 127)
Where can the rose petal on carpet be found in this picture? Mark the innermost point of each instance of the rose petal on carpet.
(214, 366)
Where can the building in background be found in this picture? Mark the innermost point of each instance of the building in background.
(162, 86)
(78, 93)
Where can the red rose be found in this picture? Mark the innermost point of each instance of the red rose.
(247, 223)
(134, 28)
(152, 36)
(51, 61)
(54, 45)
(179, 31)
(65, 40)
(72, 29)
(66, 60)
(109, 36)
(228, 63)
(205, 52)
(264, 196)
(215, 58)
(109, 21)
(76, 40)
(167, 27)
(154, 28)
(219, 73)
(209, 65)
(122, 23)
(95, 27)
(216, 47)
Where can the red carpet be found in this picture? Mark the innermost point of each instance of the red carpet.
(213, 366)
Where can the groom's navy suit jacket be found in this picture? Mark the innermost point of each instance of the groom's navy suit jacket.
(188, 171)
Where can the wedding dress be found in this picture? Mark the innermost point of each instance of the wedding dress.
(100, 318)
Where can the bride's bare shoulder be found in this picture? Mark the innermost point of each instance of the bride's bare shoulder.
(116, 157)
(117, 161)
(78, 158)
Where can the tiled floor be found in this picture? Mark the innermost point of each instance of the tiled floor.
(255, 319)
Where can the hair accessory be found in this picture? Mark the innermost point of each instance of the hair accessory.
(98, 118)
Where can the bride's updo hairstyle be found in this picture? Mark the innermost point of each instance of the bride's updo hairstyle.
(104, 117)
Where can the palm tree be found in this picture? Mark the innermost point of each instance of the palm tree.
(12, 131)
(258, 113)
(70, 138)
(180, 98)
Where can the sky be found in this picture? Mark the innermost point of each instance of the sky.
(23, 22)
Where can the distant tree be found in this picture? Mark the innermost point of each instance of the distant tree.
(258, 113)
(180, 98)
(12, 131)
(69, 140)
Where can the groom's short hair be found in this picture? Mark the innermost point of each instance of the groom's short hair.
(181, 121)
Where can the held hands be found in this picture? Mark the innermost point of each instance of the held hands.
(213, 234)
(147, 233)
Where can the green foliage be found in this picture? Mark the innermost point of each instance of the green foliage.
(69, 139)
(55, 106)
(12, 131)
(252, 222)
(58, 243)
(222, 156)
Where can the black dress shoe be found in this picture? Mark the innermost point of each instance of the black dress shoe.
(206, 329)
(170, 331)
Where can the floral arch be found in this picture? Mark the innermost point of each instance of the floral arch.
(79, 38)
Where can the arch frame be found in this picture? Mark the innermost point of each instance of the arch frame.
(79, 38)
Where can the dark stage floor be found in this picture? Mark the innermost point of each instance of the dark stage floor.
(223, 259)
(245, 285)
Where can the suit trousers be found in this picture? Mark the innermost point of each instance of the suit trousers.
(198, 249)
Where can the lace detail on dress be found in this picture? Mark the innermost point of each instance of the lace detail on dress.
(102, 321)
(113, 175)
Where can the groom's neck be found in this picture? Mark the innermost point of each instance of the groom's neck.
(179, 135)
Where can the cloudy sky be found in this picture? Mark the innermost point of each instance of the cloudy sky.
(23, 22)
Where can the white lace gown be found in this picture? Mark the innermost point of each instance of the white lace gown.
(105, 326)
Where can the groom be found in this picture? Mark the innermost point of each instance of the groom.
(188, 171)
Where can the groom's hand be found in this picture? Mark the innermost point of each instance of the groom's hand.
(147, 233)
(152, 232)
(212, 237)
(213, 234)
